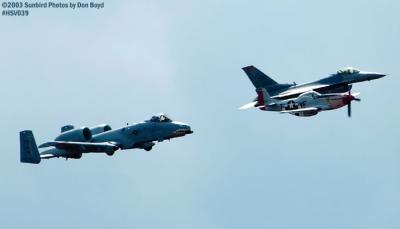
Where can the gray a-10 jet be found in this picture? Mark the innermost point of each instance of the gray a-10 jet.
(307, 104)
(73, 142)
(339, 82)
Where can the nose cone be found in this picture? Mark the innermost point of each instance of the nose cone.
(348, 98)
(187, 129)
(379, 75)
(374, 75)
(182, 129)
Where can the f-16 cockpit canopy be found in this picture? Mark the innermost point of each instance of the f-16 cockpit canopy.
(160, 118)
(347, 71)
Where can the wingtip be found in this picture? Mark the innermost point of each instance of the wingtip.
(247, 67)
(248, 105)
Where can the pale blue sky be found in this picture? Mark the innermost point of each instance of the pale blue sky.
(240, 169)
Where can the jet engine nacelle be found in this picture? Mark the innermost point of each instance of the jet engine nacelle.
(100, 129)
(82, 134)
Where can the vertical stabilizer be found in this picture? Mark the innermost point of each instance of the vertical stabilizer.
(263, 98)
(258, 78)
(28, 148)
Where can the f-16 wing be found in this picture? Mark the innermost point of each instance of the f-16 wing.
(83, 146)
(302, 110)
(299, 90)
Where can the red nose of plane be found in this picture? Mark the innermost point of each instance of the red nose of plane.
(348, 98)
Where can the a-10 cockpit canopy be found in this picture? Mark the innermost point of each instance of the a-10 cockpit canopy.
(347, 71)
(160, 118)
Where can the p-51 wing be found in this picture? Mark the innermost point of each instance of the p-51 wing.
(249, 105)
(302, 110)
(83, 146)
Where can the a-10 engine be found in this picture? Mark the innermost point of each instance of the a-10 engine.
(100, 129)
(82, 134)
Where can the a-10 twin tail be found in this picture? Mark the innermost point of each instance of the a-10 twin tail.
(72, 143)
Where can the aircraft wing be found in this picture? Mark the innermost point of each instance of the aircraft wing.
(297, 91)
(249, 105)
(47, 156)
(83, 146)
(252, 105)
(301, 110)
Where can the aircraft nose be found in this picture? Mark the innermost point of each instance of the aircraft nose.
(187, 129)
(182, 129)
(348, 98)
(376, 75)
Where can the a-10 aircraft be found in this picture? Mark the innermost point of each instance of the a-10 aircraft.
(339, 82)
(307, 104)
(72, 143)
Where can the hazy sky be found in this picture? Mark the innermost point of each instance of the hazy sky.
(240, 169)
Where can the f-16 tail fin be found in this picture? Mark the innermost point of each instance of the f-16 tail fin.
(258, 78)
(28, 148)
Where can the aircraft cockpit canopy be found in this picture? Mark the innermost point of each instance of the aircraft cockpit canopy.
(312, 94)
(347, 71)
(160, 118)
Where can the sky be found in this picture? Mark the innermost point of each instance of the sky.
(240, 169)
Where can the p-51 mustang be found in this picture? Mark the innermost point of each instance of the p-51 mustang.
(72, 143)
(339, 82)
(307, 104)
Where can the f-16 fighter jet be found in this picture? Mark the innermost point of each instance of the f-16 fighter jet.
(339, 82)
(73, 142)
(307, 104)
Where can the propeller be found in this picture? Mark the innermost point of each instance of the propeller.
(349, 109)
(350, 98)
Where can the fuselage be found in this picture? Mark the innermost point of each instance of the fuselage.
(136, 135)
(319, 102)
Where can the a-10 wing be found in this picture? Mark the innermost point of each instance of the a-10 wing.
(83, 146)
(48, 156)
